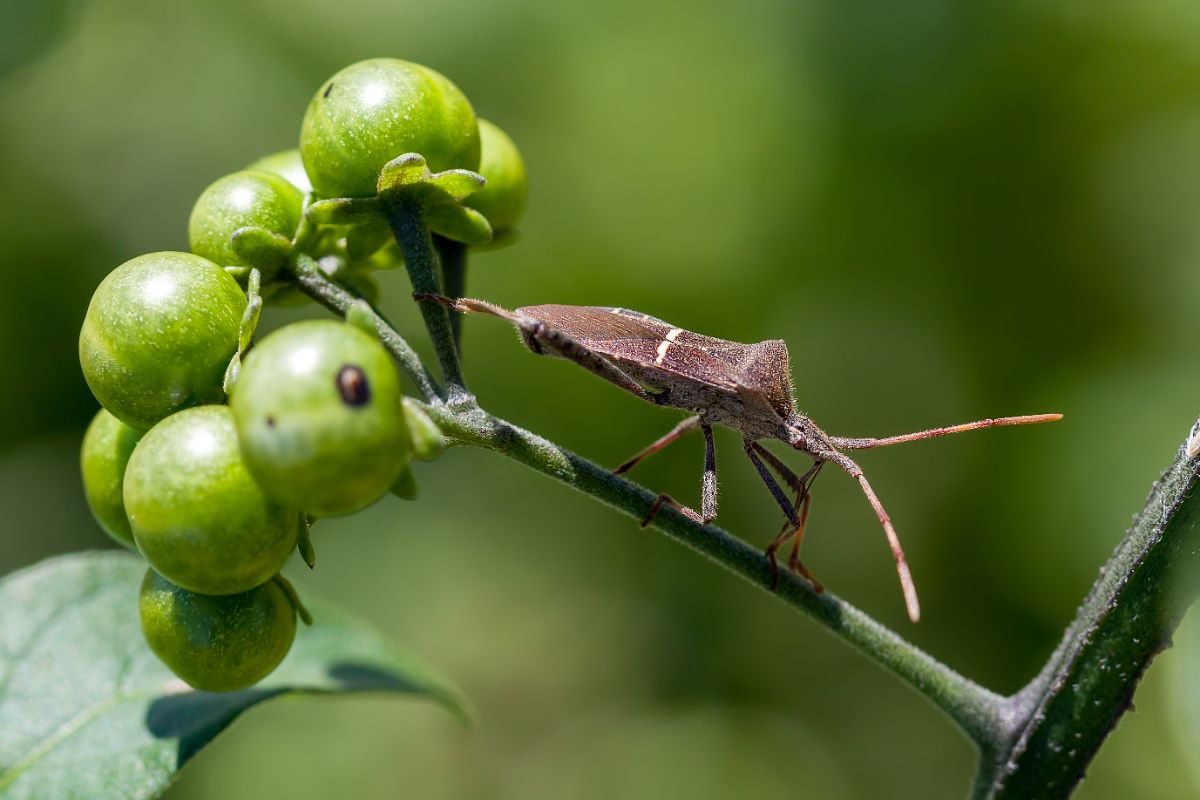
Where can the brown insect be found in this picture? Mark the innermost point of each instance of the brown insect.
(747, 387)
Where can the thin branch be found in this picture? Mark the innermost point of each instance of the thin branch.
(420, 259)
(976, 710)
(1035, 743)
(314, 283)
(1128, 617)
(453, 256)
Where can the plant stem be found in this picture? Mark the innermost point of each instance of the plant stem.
(1036, 743)
(979, 712)
(453, 256)
(1128, 617)
(976, 710)
(405, 217)
(317, 285)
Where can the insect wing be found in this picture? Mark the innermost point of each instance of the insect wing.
(692, 360)
(646, 345)
(594, 324)
(629, 312)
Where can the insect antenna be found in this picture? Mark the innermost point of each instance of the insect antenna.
(855, 443)
(906, 582)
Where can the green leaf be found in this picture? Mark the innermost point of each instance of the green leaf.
(240, 274)
(500, 239)
(249, 325)
(458, 183)
(261, 248)
(428, 443)
(460, 223)
(87, 711)
(405, 486)
(304, 543)
(343, 211)
(362, 241)
(407, 180)
(401, 171)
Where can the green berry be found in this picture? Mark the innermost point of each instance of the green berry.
(502, 199)
(376, 110)
(107, 446)
(218, 644)
(158, 335)
(319, 417)
(251, 198)
(286, 164)
(197, 515)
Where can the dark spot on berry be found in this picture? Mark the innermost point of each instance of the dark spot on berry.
(328, 89)
(270, 422)
(352, 386)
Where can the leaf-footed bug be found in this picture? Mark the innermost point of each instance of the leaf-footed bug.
(747, 387)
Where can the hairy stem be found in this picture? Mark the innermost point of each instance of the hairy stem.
(317, 285)
(1036, 743)
(420, 259)
(453, 256)
(977, 710)
(1063, 716)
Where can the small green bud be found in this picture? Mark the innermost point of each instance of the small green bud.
(405, 486)
(427, 440)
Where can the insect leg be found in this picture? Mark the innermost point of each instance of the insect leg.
(548, 339)
(906, 581)
(687, 426)
(789, 510)
(798, 482)
(667, 500)
(794, 562)
(852, 443)
(708, 484)
(803, 486)
(708, 487)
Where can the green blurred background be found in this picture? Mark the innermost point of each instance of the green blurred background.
(949, 210)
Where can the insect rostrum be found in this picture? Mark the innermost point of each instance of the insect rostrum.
(746, 387)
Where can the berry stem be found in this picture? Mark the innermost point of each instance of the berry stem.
(406, 217)
(978, 711)
(453, 256)
(320, 287)
(294, 598)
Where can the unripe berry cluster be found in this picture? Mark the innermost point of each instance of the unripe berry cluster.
(212, 454)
